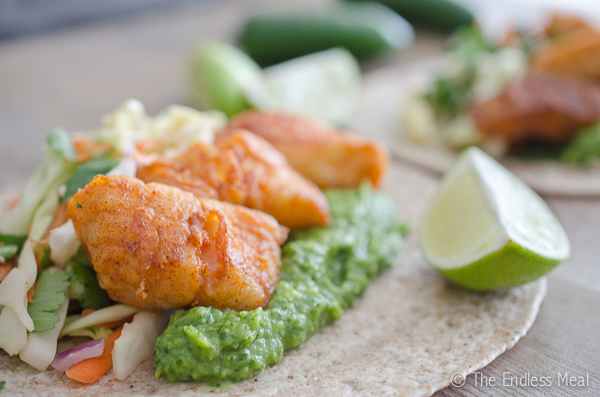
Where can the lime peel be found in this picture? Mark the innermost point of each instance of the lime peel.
(501, 269)
(485, 229)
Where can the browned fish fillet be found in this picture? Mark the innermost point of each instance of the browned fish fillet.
(541, 107)
(156, 247)
(573, 51)
(245, 169)
(326, 156)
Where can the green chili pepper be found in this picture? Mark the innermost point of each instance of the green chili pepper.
(366, 30)
(441, 15)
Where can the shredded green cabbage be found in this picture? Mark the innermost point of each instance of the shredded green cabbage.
(52, 173)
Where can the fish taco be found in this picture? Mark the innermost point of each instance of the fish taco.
(529, 98)
(190, 264)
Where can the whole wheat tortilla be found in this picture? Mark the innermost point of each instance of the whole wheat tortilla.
(379, 117)
(407, 335)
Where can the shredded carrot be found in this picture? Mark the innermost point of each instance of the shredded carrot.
(87, 312)
(116, 323)
(108, 324)
(150, 145)
(87, 149)
(6, 267)
(60, 217)
(90, 370)
(31, 294)
(13, 202)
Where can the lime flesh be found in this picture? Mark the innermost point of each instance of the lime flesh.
(487, 230)
(324, 85)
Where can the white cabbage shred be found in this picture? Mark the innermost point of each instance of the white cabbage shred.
(33, 213)
(13, 296)
(126, 167)
(44, 215)
(63, 243)
(137, 342)
(111, 313)
(53, 172)
(13, 334)
(92, 332)
(14, 288)
(41, 346)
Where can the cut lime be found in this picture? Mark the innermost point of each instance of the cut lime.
(220, 76)
(487, 230)
(324, 85)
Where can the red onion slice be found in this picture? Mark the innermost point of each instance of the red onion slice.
(70, 357)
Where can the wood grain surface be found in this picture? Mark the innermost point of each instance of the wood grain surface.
(70, 78)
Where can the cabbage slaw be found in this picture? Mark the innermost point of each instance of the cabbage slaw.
(131, 135)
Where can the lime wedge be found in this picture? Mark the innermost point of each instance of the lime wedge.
(220, 75)
(324, 85)
(487, 230)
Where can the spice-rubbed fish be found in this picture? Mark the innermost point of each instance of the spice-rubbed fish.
(573, 49)
(156, 247)
(541, 107)
(245, 169)
(326, 156)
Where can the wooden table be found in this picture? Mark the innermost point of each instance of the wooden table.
(72, 77)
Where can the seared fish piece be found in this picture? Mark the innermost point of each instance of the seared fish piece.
(572, 50)
(156, 247)
(541, 107)
(245, 169)
(327, 156)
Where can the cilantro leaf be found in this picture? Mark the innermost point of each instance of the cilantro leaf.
(451, 95)
(84, 284)
(469, 43)
(11, 245)
(2, 383)
(584, 147)
(50, 293)
(8, 239)
(60, 141)
(8, 251)
(85, 172)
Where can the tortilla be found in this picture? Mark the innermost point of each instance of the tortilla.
(407, 334)
(379, 117)
(549, 178)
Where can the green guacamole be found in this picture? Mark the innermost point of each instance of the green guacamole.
(323, 270)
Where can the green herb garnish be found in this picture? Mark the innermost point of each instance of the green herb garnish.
(584, 147)
(84, 284)
(11, 245)
(50, 294)
(60, 141)
(85, 172)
